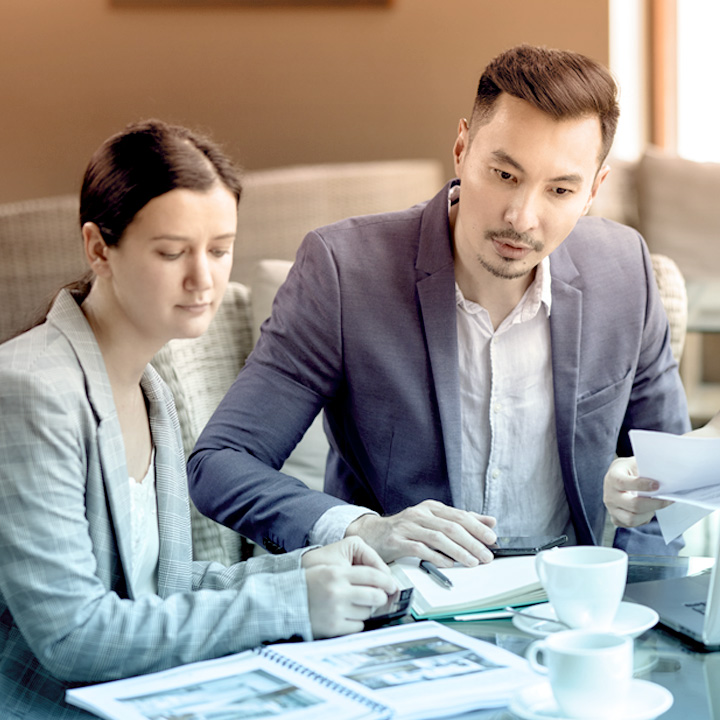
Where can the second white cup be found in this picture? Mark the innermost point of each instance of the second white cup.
(584, 584)
(590, 673)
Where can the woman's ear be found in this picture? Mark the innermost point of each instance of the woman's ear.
(96, 250)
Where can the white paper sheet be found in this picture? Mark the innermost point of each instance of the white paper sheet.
(688, 470)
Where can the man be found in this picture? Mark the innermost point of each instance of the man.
(479, 356)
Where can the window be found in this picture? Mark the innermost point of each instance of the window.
(698, 79)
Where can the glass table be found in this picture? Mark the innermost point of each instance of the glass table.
(692, 676)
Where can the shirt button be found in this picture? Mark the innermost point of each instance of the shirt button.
(497, 407)
(496, 473)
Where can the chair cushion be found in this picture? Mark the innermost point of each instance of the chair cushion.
(281, 205)
(677, 211)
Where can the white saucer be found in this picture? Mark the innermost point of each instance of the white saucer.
(645, 702)
(632, 619)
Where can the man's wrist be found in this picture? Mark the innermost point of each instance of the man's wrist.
(357, 526)
(332, 525)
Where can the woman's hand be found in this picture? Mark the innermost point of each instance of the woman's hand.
(346, 581)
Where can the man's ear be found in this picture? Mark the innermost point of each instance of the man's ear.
(603, 172)
(462, 142)
(96, 250)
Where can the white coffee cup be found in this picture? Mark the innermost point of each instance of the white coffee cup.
(589, 672)
(584, 583)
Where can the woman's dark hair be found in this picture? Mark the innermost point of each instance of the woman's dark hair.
(146, 160)
(129, 169)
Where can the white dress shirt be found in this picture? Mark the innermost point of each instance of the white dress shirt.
(510, 462)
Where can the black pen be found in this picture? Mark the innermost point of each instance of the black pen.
(434, 573)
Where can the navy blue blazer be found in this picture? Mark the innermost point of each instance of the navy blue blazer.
(364, 328)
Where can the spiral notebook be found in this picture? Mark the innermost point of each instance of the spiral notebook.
(409, 671)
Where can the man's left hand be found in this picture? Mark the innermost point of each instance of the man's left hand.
(620, 494)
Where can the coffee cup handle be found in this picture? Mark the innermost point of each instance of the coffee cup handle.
(532, 654)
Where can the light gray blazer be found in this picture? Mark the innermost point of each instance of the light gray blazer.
(364, 328)
(68, 611)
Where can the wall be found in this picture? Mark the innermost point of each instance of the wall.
(275, 86)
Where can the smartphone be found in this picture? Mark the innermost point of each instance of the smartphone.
(397, 606)
(525, 545)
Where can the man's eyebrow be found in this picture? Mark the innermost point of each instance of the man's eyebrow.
(572, 178)
(502, 156)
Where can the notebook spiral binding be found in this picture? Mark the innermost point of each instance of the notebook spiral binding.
(383, 711)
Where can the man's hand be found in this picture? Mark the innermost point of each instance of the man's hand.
(626, 507)
(346, 581)
(430, 531)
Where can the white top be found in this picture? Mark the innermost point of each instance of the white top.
(145, 533)
(510, 460)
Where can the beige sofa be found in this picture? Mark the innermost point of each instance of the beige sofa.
(40, 250)
(674, 203)
(39, 242)
(40, 247)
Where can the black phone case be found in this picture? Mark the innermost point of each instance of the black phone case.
(399, 607)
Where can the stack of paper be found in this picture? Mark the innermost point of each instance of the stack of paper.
(688, 470)
(504, 581)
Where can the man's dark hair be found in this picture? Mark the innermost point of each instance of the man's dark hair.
(561, 83)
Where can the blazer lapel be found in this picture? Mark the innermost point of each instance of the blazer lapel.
(111, 451)
(69, 319)
(436, 294)
(171, 486)
(565, 334)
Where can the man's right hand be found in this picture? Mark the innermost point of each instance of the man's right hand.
(430, 531)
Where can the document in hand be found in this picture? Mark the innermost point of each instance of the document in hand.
(408, 672)
(688, 470)
(504, 581)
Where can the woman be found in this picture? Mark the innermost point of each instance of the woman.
(96, 577)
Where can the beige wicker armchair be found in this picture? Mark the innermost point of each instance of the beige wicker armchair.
(673, 294)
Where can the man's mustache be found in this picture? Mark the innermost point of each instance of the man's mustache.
(515, 237)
